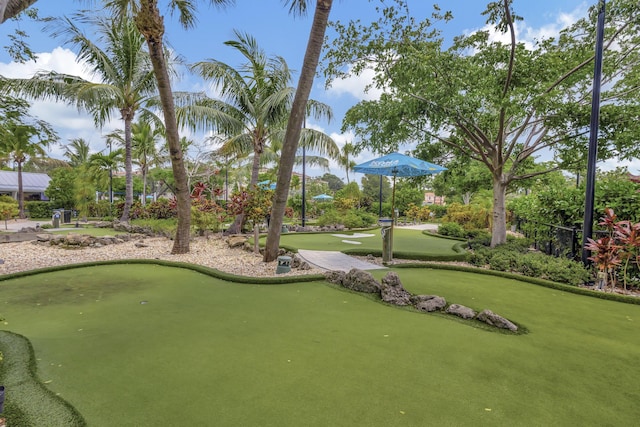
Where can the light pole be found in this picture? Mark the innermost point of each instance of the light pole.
(304, 178)
(587, 228)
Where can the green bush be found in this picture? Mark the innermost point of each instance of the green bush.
(38, 209)
(99, 209)
(330, 217)
(451, 229)
(514, 256)
(161, 209)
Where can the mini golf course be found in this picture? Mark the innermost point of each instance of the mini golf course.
(148, 345)
(412, 244)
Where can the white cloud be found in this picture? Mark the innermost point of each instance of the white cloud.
(356, 86)
(528, 34)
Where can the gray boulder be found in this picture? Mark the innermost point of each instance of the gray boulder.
(236, 241)
(461, 311)
(335, 276)
(430, 304)
(489, 317)
(361, 281)
(392, 291)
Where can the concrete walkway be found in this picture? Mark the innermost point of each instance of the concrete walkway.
(334, 260)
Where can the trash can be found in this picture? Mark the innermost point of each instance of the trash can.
(386, 230)
(66, 216)
(284, 264)
(55, 219)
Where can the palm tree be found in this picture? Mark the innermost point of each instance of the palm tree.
(77, 151)
(10, 8)
(124, 71)
(21, 138)
(255, 104)
(298, 111)
(150, 23)
(101, 166)
(345, 161)
(145, 152)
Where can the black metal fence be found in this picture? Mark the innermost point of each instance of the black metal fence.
(552, 239)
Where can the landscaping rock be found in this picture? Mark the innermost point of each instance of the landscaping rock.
(361, 281)
(489, 317)
(236, 241)
(141, 245)
(461, 311)
(434, 303)
(335, 276)
(392, 291)
(304, 266)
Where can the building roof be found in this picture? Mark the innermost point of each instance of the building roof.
(31, 182)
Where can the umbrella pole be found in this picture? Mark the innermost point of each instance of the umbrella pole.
(393, 218)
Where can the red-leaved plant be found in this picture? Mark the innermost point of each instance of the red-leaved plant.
(621, 245)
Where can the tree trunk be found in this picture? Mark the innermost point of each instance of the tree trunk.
(21, 214)
(127, 116)
(294, 126)
(144, 186)
(151, 26)
(499, 226)
(10, 8)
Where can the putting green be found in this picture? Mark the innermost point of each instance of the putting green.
(148, 345)
(404, 240)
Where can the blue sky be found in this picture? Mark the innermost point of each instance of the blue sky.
(278, 33)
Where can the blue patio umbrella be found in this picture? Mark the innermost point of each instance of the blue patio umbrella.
(323, 197)
(396, 164)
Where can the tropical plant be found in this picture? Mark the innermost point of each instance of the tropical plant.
(8, 209)
(77, 152)
(254, 107)
(118, 59)
(22, 137)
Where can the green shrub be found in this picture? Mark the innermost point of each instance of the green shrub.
(38, 209)
(161, 209)
(99, 209)
(330, 217)
(468, 216)
(451, 229)
(166, 227)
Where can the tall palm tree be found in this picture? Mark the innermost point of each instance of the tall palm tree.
(77, 151)
(145, 152)
(21, 138)
(150, 23)
(255, 104)
(10, 8)
(298, 110)
(123, 67)
(348, 149)
(101, 166)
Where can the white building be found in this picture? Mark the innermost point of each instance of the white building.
(33, 184)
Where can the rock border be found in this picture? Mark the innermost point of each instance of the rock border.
(391, 291)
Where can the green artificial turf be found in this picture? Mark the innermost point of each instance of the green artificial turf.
(91, 231)
(202, 351)
(404, 240)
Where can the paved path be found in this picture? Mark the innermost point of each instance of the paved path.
(333, 260)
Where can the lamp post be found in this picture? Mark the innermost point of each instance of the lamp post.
(587, 228)
(304, 178)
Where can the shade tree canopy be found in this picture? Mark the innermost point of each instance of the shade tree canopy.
(498, 103)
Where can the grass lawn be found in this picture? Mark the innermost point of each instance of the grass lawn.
(203, 351)
(404, 240)
(91, 231)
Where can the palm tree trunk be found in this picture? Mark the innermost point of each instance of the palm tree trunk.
(21, 214)
(238, 222)
(128, 168)
(144, 185)
(151, 25)
(294, 126)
